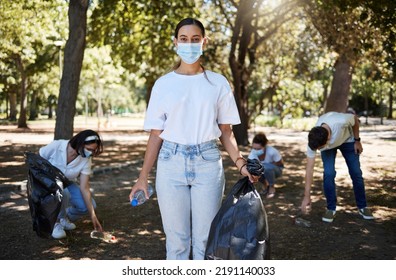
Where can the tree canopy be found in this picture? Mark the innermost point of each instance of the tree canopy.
(284, 58)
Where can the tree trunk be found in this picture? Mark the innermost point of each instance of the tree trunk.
(73, 58)
(340, 87)
(241, 130)
(22, 121)
(325, 93)
(240, 43)
(33, 107)
(390, 109)
(149, 85)
(13, 106)
(51, 103)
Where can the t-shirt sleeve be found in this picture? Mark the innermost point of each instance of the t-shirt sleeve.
(350, 119)
(227, 108)
(155, 116)
(252, 155)
(277, 156)
(310, 152)
(48, 150)
(87, 168)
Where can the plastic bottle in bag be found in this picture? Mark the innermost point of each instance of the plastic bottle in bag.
(139, 197)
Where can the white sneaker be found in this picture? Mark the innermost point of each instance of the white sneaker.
(67, 225)
(58, 231)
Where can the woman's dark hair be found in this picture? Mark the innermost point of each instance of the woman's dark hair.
(261, 139)
(317, 137)
(86, 137)
(189, 21)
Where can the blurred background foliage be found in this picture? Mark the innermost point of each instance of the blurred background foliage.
(286, 59)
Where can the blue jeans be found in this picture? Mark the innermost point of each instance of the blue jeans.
(329, 174)
(75, 208)
(271, 172)
(190, 186)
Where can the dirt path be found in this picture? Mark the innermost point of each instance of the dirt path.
(139, 231)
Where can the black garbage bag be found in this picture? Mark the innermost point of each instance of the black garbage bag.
(44, 189)
(240, 231)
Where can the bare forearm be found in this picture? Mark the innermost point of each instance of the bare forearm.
(308, 184)
(355, 128)
(230, 145)
(153, 146)
(309, 176)
(86, 193)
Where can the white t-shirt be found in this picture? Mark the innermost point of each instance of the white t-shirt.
(271, 155)
(341, 130)
(189, 108)
(56, 153)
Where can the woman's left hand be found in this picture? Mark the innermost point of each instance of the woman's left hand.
(252, 178)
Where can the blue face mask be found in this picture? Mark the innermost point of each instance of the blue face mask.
(259, 152)
(189, 52)
(85, 153)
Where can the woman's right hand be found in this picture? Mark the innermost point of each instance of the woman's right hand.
(306, 204)
(141, 184)
(96, 224)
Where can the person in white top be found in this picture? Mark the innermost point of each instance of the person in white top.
(271, 160)
(335, 131)
(74, 158)
(190, 108)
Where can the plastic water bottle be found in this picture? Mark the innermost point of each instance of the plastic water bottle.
(302, 222)
(105, 236)
(139, 197)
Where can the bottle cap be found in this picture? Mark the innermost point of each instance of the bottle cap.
(134, 202)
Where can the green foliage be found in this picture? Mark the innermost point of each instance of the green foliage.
(130, 45)
(299, 124)
(28, 30)
(140, 33)
(268, 120)
(105, 85)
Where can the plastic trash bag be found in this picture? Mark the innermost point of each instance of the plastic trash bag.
(44, 189)
(240, 231)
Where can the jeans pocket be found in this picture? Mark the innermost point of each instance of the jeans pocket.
(164, 154)
(211, 155)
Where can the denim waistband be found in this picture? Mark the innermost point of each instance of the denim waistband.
(195, 149)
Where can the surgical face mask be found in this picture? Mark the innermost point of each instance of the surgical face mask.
(258, 152)
(189, 52)
(86, 153)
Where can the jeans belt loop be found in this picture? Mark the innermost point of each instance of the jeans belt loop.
(175, 145)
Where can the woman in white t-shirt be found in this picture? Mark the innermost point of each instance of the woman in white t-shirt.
(190, 108)
(73, 158)
(272, 161)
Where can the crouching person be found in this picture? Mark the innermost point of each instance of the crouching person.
(74, 158)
